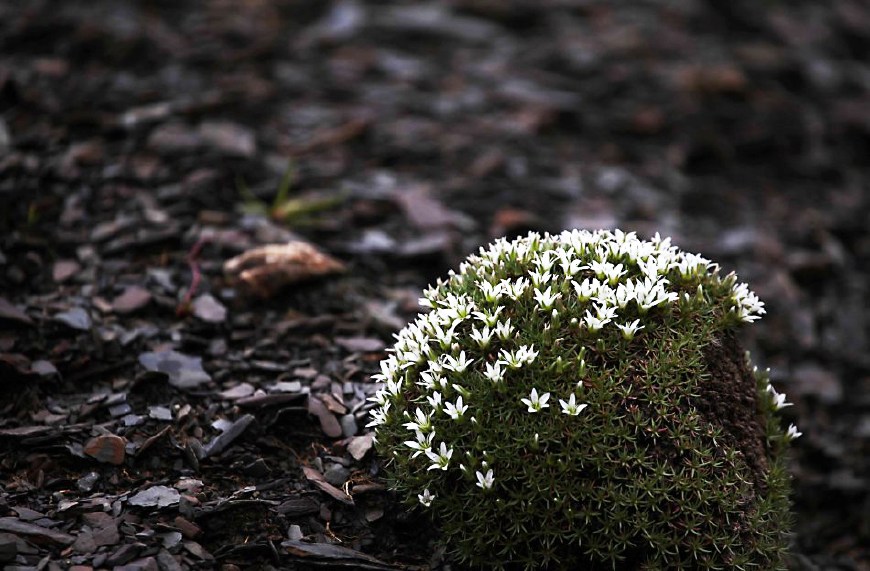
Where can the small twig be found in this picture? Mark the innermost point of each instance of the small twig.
(183, 307)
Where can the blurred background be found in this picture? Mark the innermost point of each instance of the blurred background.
(400, 136)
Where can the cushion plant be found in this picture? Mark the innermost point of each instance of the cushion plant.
(580, 401)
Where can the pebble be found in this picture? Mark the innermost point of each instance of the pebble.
(86, 483)
(336, 474)
(348, 425)
(295, 532)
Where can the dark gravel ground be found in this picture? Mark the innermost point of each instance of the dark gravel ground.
(142, 144)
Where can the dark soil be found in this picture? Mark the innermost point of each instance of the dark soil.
(732, 381)
(159, 413)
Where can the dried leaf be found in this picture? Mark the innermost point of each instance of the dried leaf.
(265, 270)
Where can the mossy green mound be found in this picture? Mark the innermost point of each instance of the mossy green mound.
(579, 401)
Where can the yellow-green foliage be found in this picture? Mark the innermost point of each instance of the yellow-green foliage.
(552, 410)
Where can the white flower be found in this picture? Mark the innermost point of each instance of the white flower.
(422, 422)
(426, 498)
(515, 359)
(381, 397)
(491, 292)
(748, 307)
(454, 411)
(603, 315)
(443, 336)
(792, 432)
(778, 398)
(503, 329)
(493, 371)
(540, 278)
(457, 307)
(691, 265)
(429, 296)
(629, 329)
(434, 400)
(435, 367)
(546, 299)
(536, 403)
(546, 260)
(586, 290)
(485, 482)
(653, 266)
(569, 264)
(410, 357)
(606, 296)
(481, 336)
(605, 270)
(379, 416)
(624, 293)
(514, 289)
(527, 353)
(428, 380)
(441, 460)
(649, 293)
(389, 370)
(571, 407)
(489, 318)
(422, 445)
(457, 364)
(394, 387)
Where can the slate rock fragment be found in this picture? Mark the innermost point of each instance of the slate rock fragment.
(9, 547)
(131, 300)
(75, 318)
(359, 446)
(232, 432)
(12, 313)
(107, 448)
(37, 532)
(328, 423)
(318, 480)
(183, 371)
(207, 308)
(155, 497)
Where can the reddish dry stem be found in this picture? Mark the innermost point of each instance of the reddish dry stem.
(183, 307)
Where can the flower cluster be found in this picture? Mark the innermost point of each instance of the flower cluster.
(776, 401)
(587, 282)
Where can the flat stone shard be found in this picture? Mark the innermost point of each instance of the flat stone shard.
(155, 497)
(15, 525)
(184, 371)
(107, 448)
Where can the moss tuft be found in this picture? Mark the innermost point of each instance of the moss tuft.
(580, 401)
